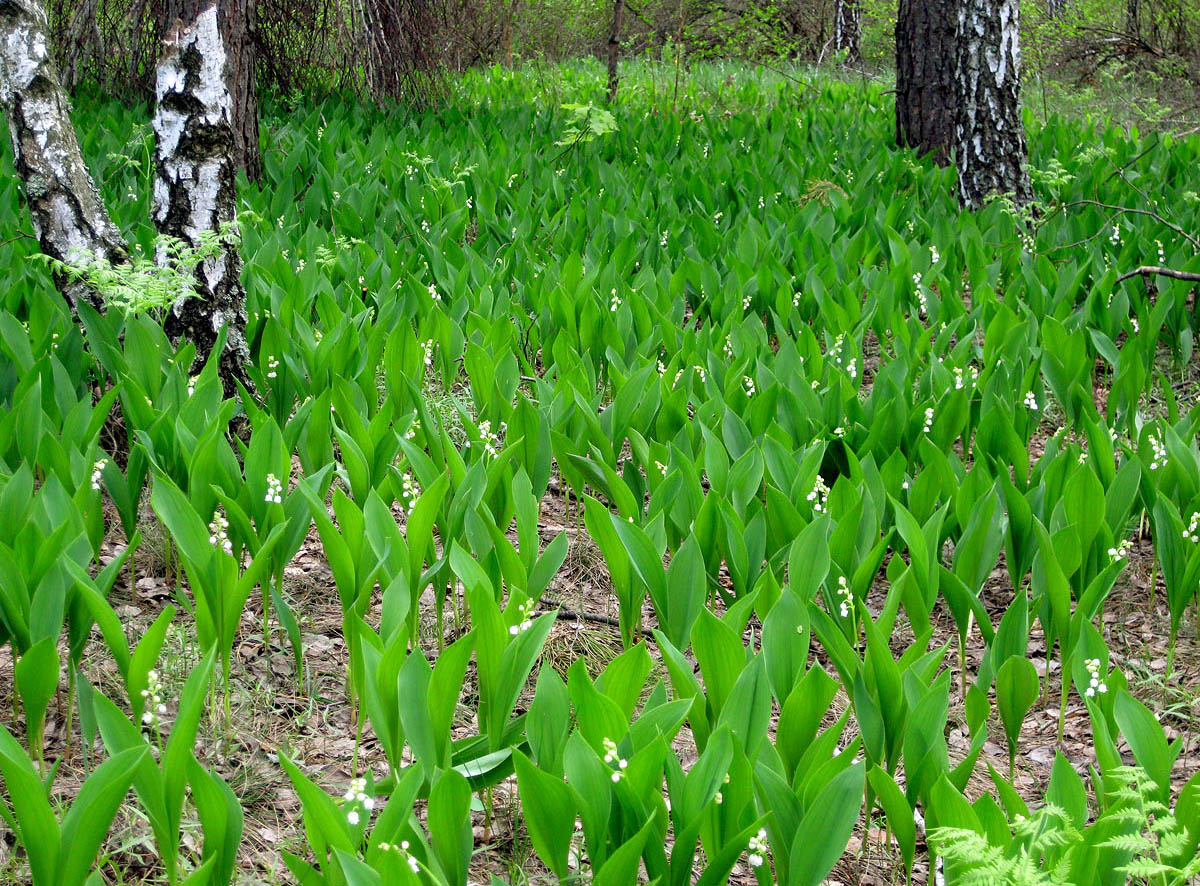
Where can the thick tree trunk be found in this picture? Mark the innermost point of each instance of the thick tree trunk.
(925, 89)
(237, 21)
(68, 215)
(195, 190)
(614, 48)
(847, 29)
(989, 135)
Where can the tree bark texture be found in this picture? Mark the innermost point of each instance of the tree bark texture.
(236, 19)
(614, 48)
(989, 136)
(195, 190)
(847, 29)
(1056, 9)
(925, 89)
(68, 215)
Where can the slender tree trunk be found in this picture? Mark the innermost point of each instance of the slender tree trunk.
(847, 29)
(614, 48)
(237, 21)
(1055, 9)
(195, 190)
(1132, 25)
(68, 215)
(989, 135)
(925, 88)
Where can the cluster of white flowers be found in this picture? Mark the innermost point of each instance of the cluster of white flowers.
(1190, 533)
(1120, 552)
(746, 302)
(707, 147)
(934, 257)
(411, 433)
(1162, 253)
(356, 795)
(512, 178)
(272, 366)
(748, 382)
(525, 610)
(796, 299)
(191, 388)
(218, 533)
(662, 241)
(427, 353)
(1115, 236)
(928, 425)
(410, 491)
(818, 494)
(413, 864)
(490, 441)
(1158, 451)
(613, 758)
(717, 216)
(852, 368)
(614, 302)
(153, 696)
(700, 374)
(98, 472)
(843, 591)
(274, 490)
(1031, 401)
(757, 849)
(960, 378)
(727, 348)
(433, 292)
(762, 203)
(1134, 323)
(1095, 684)
(661, 367)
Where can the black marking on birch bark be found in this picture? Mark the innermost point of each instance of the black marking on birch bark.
(68, 213)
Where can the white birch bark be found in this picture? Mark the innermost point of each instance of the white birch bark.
(990, 145)
(69, 218)
(195, 189)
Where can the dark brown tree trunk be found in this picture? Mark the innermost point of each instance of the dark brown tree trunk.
(237, 19)
(847, 29)
(195, 191)
(989, 136)
(925, 90)
(69, 217)
(614, 48)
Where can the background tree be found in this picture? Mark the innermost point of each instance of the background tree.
(989, 137)
(925, 84)
(614, 47)
(847, 29)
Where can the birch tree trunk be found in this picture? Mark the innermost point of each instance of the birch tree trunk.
(847, 29)
(989, 136)
(614, 48)
(68, 215)
(195, 190)
(925, 89)
(236, 19)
